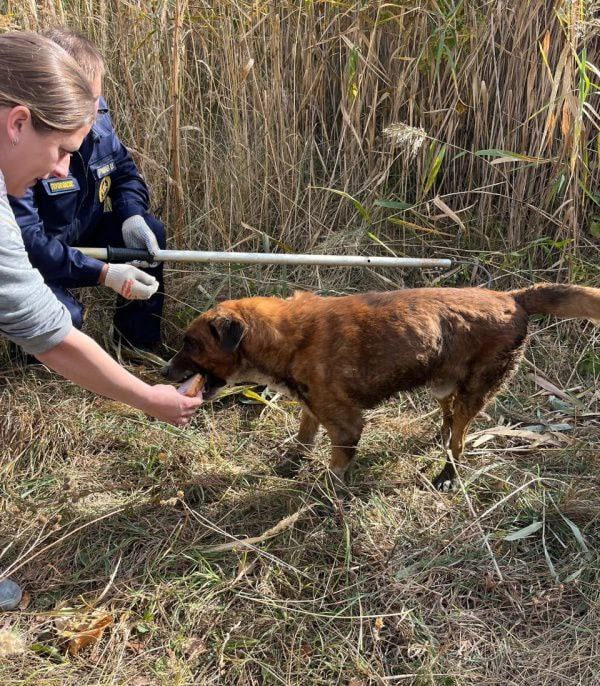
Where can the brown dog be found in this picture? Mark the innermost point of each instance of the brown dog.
(341, 355)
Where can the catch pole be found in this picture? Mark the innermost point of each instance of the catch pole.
(111, 254)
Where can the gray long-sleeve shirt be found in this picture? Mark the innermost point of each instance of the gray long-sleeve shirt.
(30, 314)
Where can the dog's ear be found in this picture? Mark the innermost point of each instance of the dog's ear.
(228, 331)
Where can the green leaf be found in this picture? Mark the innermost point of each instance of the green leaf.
(48, 651)
(573, 576)
(359, 207)
(559, 405)
(393, 204)
(378, 240)
(434, 169)
(549, 561)
(592, 196)
(494, 152)
(578, 535)
(351, 72)
(524, 532)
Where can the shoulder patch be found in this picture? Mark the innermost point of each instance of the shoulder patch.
(105, 169)
(103, 188)
(55, 186)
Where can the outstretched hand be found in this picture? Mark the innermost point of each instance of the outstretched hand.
(166, 404)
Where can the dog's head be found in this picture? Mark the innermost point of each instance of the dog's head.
(210, 347)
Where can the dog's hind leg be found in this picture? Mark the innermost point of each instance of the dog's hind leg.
(444, 392)
(465, 409)
(467, 403)
(447, 405)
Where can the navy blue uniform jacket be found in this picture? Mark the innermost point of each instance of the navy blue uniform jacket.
(58, 213)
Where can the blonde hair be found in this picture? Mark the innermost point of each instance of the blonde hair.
(37, 73)
(81, 48)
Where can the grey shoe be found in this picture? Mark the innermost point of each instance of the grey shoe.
(10, 595)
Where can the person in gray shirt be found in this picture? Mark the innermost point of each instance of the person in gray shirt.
(46, 109)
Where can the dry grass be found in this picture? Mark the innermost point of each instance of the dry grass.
(103, 510)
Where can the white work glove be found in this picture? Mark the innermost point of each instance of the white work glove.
(130, 282)
(137, 234)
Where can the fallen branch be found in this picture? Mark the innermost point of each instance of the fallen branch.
(240, 544)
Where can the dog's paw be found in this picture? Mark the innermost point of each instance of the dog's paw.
(445, 485)
(445, 481)
(289, 465)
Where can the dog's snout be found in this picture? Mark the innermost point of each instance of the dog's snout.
(177, 369)
(172, 371)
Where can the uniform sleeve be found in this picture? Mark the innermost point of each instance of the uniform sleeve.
(30, 314)
(56, 261)
(128, 191)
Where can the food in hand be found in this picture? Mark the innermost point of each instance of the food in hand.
(193, 386)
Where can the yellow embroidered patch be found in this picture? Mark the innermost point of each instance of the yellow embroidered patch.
(103, 188)
(62, 185)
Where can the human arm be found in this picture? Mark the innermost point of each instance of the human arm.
(81, 360)
(56, 261)
(32, 317)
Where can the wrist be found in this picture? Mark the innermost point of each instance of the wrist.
(140, 395)
(103, 273)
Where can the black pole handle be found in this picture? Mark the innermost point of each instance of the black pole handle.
(128, 254)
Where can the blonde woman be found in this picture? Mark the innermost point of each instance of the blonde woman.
(70, 209)
(46, 109)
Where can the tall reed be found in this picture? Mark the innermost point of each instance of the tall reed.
(247, 113)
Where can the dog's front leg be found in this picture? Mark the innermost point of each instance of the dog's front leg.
(309, 425)
(345, 434)
(303, 442)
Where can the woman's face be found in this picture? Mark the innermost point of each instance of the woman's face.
(36, 155)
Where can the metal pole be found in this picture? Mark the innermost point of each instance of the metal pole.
(127, 255)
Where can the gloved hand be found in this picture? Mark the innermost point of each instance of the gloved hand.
(130, 282)
(137, 234)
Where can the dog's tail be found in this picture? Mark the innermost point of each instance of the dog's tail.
(580, 302)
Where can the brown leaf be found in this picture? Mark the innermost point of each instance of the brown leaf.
(193, 647)
(551, 388)
(305, 650)
(246, 69)
(565, 123)
(25, 601)
(86, 637)
(135, 647)
(490, 583)
(550, 126)
(480, 437)
(440, 204)
(546, 43)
